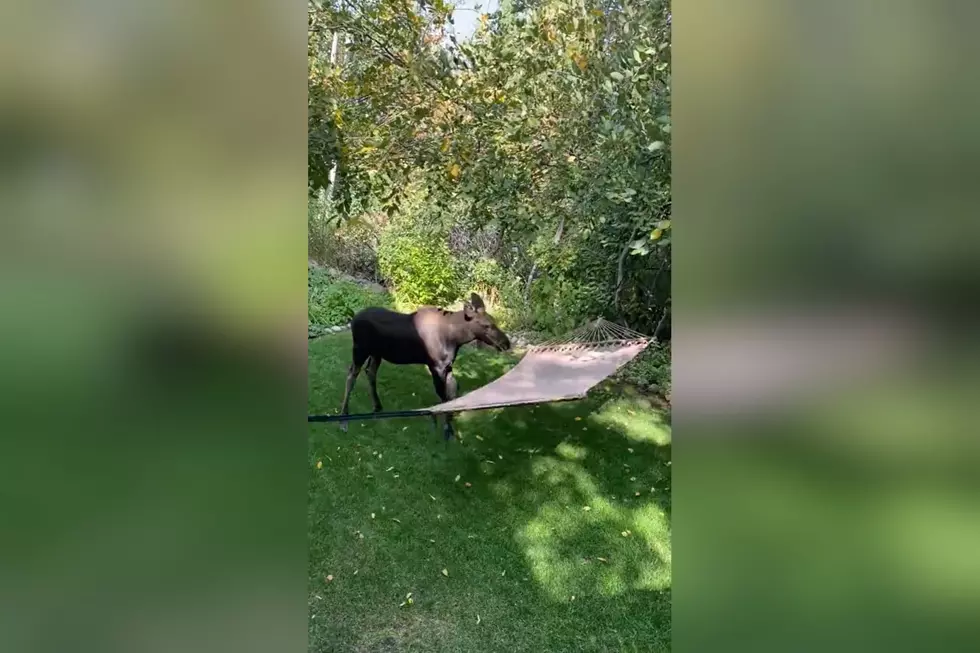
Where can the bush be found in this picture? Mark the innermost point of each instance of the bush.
(419, 268)
(331, 302)
(650, 370)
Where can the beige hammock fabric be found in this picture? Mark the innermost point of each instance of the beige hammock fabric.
(550, 373)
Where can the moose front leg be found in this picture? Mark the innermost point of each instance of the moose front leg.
(446, 387)
(451, 389)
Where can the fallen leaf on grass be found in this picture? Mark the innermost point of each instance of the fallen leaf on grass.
(319, 464)
(456, 480)
(477, 620)
(433, 541)
(398, 521)
(503, 573)
(632, 478)
(445, 572)
(637, 494)
(578, 419)
(329, 578)
(432, 497)
(468, 484)
(499, 457)
(390, 468)
(573, 597)
(626, 533)
(479, 438)
(630, 449)
(586, 508)
(355, 572)
(372, 515)
(602, 560)
(395, 476)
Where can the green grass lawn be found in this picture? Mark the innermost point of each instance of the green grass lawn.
(552, 523)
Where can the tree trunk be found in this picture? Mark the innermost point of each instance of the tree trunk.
(619, 267)
(332, 176)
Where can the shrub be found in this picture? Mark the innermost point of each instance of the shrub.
(332, 302)
(420, 268)
(650, 370)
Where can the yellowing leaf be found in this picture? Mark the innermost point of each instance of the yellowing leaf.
(454, 171)
(445, 572)
(319, 464)
(656, 234)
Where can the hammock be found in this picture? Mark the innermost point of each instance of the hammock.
(557, 370)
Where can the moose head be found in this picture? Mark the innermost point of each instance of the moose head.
(481, 324)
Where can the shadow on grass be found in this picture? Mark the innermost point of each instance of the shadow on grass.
(560, 542)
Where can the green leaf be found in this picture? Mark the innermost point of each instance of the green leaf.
(618, 76)
(636, 55)
(656, 145)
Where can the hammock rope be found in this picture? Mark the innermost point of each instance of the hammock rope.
(561, 369)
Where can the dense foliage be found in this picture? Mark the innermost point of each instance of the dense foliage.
(333, 302)
(531, 161)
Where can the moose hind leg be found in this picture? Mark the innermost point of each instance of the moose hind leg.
(372, 374)
(352, 373)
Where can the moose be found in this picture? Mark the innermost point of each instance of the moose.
(430, 336)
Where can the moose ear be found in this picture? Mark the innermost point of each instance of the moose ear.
(476, 302)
